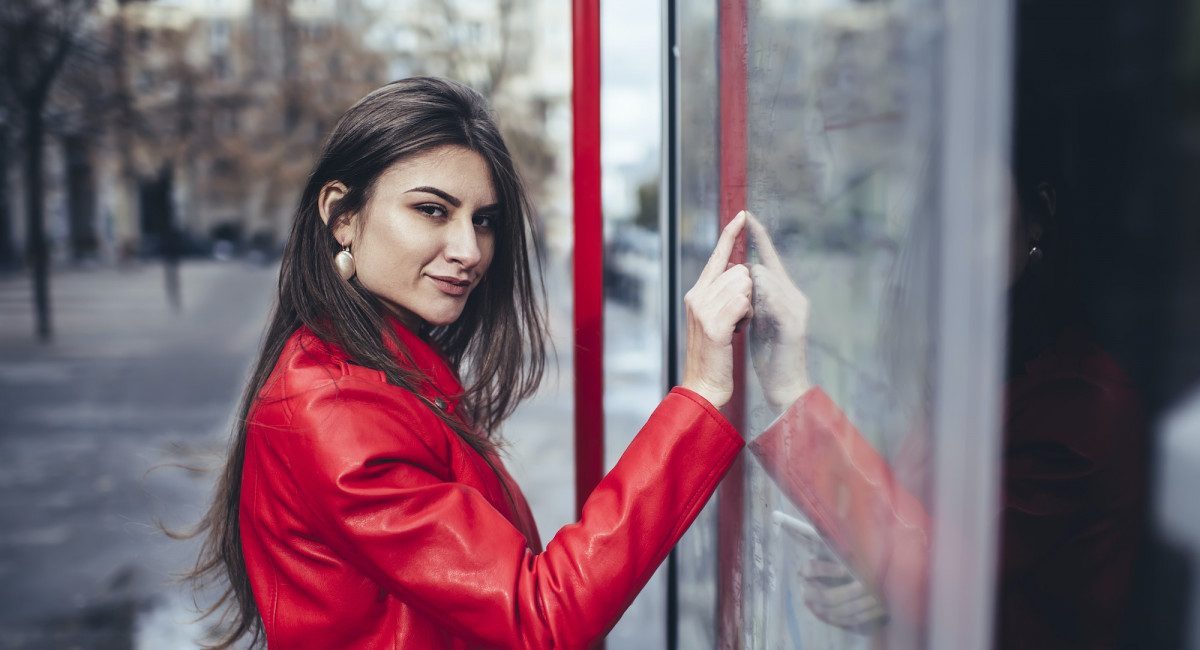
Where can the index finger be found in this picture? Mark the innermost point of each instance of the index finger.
(837, 595)
(724, 248)
(824, 569)
(762, 240)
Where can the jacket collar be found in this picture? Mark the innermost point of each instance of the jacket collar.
(441, 382)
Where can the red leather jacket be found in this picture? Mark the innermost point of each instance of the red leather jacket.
(367, 523)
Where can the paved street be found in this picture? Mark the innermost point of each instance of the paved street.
(94, 422)
(99, 422)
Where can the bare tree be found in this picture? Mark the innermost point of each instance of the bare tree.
(483, 60)
(487, 46)
(8, 256)
(154, 119)
(38, 36)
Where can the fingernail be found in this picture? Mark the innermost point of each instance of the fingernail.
(740, 214)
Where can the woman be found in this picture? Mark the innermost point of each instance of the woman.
(1073, 475)
(363, 504)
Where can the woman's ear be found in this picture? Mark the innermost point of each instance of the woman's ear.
(1034, 231)
(1049, 197)
(327, 200)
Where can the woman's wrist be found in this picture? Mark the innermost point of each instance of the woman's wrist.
(781, 397)
(714, 396)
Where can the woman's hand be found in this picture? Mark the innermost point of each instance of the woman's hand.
(780, 328)
(835, 596)
(715, 305)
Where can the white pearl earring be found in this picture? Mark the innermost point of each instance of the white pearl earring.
(344, 262)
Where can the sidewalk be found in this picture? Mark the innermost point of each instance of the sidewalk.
(93, 421)
(96, 418)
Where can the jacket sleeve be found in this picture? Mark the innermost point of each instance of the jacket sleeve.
(1071, 452)
(1072, 502)
(824, 466)
(378, 487)
(1071, 471)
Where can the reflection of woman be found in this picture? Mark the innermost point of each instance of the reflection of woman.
(364, 504)
(1072, 469)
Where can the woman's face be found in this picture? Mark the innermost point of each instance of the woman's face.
(425, 238)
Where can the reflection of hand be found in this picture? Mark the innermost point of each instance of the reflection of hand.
(780, 326)
(838, 598)
(719, 300)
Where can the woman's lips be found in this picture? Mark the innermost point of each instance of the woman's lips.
(451, 286)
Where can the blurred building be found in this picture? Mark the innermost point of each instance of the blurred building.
(206, 115)
(233, 102)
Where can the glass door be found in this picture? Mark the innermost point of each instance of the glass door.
(869, 140)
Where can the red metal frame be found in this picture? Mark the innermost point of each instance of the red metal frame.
(589, 251)
(731, 44)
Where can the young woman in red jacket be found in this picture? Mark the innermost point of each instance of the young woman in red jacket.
(363, 504)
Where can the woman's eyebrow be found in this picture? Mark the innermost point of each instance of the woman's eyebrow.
(450, 198)
(446, 196)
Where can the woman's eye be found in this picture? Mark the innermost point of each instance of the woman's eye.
(484, 220)
(432, 209)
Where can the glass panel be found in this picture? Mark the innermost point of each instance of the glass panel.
(698, 117)
(630, 94)
(842, 151)
(842, 99)
(875, 141)
(1106, 157)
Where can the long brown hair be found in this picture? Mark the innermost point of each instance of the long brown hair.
(497, 344)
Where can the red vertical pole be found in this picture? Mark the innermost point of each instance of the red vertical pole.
(588, 256)
(731, 44)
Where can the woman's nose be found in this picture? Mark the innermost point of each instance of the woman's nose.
(462, 242)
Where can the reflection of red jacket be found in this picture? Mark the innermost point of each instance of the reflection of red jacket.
(367, 523)
(1072, 493)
